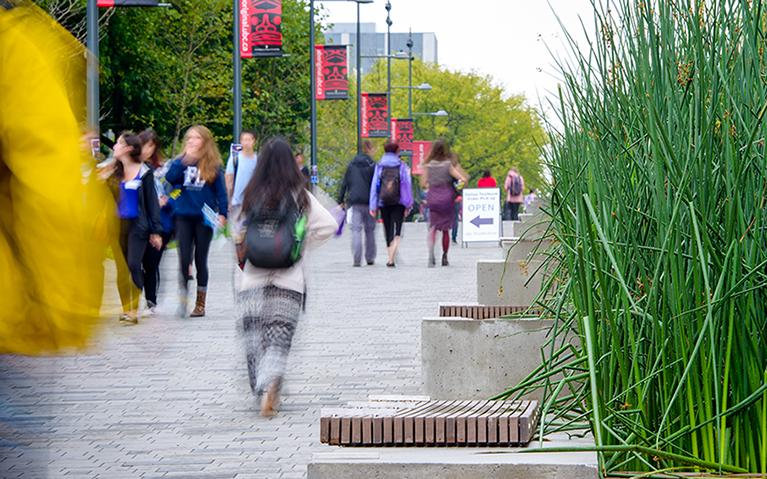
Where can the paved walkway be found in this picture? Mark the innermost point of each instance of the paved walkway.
(170, 397)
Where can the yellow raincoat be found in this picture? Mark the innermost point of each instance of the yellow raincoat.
(52, 222)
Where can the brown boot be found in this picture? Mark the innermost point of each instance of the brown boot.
(199, 307)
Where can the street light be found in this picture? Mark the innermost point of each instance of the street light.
(422, 87)
(431, 113)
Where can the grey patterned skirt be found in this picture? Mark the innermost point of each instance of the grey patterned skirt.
(268, 318)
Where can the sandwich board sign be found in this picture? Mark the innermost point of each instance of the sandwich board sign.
(481, 215)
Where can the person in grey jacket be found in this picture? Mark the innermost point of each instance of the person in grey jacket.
(355, 193)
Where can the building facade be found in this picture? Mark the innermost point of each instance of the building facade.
(374, 44)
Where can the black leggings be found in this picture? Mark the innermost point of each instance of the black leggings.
(130, 274)
(392, 219)
(193, 237)
(151, 263)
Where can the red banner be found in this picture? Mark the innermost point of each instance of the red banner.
(374, 115)
(332, 68)
(402, 133)
(260, 28)
(421, 150)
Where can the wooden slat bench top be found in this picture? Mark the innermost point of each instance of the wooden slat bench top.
(481, 311)
(430, 423)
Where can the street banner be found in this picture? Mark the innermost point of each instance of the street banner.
(332, 69)
(402, 133)
(481, 214)
(421, 150)
(260, 28)
(374, 116)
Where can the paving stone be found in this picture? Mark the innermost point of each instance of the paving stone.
(170, 397)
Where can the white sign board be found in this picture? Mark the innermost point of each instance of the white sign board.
(481, 214)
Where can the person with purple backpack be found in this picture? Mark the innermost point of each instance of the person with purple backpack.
(391, 192)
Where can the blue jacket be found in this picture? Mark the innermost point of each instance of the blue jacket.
(194, 191)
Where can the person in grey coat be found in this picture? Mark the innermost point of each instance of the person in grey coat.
(355, 194)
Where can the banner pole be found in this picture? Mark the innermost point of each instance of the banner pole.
(359, 82)
(237, 67)
(313, 86)
(92, 25)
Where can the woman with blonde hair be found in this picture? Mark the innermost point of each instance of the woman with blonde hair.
(441, 170)
(199, 174)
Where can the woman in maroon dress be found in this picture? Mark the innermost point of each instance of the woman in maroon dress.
(441, 170)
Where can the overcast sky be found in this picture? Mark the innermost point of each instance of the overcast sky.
(506, 39)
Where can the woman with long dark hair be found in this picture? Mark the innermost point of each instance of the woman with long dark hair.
(270, 299)
(199, 174)
(132, 184)
(441, 170)
(151, 155)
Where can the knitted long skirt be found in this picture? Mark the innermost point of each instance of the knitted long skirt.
(269, 317)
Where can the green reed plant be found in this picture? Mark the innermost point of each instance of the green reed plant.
(659, 348)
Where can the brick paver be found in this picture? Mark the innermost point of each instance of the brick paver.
(170, 398)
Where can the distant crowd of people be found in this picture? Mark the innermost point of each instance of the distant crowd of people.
(273, 219)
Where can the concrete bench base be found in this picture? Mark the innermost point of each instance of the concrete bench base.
(477, 359)
(454, 463)
(520, 283)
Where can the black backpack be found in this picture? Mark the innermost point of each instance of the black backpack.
(274, 238)
(390, 186)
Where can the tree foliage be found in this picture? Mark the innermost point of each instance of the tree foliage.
(486, 128)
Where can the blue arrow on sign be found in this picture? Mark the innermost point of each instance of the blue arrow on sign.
(481, 221)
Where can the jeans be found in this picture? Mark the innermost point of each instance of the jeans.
(361, 220)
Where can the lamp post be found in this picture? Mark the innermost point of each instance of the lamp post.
(410, 74)
(237, 67)
(313, 86)
(388, 63)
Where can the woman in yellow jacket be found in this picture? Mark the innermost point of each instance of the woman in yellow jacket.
(50, 262)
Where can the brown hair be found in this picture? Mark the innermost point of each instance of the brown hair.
(439, 151)
(210, 162)
(134, 142)
(156, 160)
(391, 146)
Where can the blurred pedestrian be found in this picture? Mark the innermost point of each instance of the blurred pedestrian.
(515, 187)
(151, 155)
(530, 198)
(441, 170)
(487, 180)
(301, 162)
(391, 192)
(133, 186)
(55, 223)
(355, 194)
(199, 174)
(239, 171)
(270, 298)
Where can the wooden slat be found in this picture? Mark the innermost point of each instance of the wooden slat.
(430, 423)
(526, 421)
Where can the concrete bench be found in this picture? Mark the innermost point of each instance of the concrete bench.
(517, 286)
(462, 423)
(454, 463)
(477, 359)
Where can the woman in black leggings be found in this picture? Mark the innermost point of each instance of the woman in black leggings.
(133, 187)
(199, 174)
(391, 192)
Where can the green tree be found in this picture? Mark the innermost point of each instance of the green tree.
(487, 128)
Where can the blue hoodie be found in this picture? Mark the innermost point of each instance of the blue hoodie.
(405, 182)
(194, 191)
